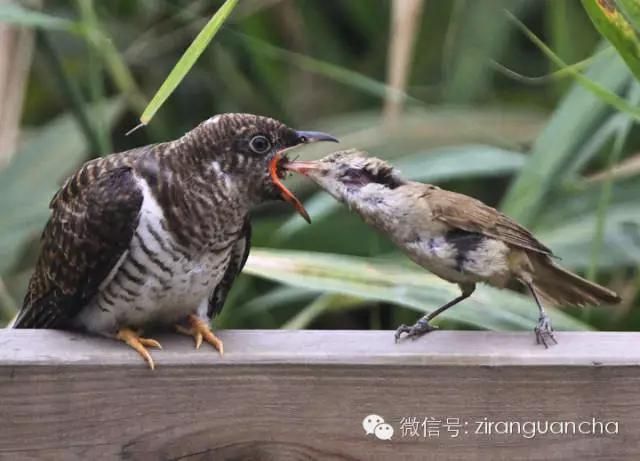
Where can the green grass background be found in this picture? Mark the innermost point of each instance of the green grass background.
(530, 106)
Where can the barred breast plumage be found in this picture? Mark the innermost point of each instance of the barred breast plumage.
(157, 279)
(156, 234)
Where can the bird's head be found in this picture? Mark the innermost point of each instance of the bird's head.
(350, 175)
(252, 148)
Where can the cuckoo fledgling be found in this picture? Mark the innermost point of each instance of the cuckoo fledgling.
(157, 234)
(458, 238)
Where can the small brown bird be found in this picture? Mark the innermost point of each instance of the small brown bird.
(158, 234)
(458, 238)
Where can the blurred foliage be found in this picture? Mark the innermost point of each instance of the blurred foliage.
(538, 120)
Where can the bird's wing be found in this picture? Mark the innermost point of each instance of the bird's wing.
(237, 260)
(89, 230)
(471, 215)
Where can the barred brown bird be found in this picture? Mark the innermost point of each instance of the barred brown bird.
(458, 238)
(157, 234)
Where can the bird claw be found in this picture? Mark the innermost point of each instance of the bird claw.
(415, 331)
(544, 331)
(133, 339)
(201, 331)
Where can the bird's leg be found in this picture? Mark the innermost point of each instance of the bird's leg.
(419, 328)
(423, 326)
(544, 329)
(134, 340)
(200, 330)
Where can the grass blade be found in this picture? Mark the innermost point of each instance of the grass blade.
(319, 306)
(631, 11)
(607, 186)
(550, 77)
(70, 89)
(554, 150)
(601, 92)
(96, 83)
(188, 59)
(572, 239)
(613, 25)
(481, 34)
(265, 304)
(331, 71)
(409, 286)
(103, 45)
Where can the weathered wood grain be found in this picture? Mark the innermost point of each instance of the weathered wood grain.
(279, 395)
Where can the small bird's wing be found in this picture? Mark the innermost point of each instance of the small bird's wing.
(237, 260)
(91, 226)
(471, 215)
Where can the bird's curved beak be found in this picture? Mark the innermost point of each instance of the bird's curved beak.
(307, 137)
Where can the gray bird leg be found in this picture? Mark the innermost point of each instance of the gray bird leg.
(423, 326)
(544, 329)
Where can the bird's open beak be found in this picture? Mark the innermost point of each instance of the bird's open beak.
(276, 172)
(303, 167)
(279, 163)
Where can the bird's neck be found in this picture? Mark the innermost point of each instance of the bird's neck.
(372, 204)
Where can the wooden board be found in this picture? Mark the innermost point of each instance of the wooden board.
(304, 394)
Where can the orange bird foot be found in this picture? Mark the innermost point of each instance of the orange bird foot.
(200, 330)
(134, 340)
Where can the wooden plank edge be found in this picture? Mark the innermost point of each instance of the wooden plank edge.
(342, 347)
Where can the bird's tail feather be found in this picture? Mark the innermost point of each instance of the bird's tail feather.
(559, 286)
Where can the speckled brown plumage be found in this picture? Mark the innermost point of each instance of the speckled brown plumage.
(89, 229)
(156, 234)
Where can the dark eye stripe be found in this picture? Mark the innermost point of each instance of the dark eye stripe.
(361, 177)
(356, 177)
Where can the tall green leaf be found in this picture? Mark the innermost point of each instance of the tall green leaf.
(408, 286)
(482, 34)
(613, 25)
(572, 239)
(570, 125)
(331, 71)
(600, 91)
(188, 59)
(631, 11)
(319, 306)
(607, 188)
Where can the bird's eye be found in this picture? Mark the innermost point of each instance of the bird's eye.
(260, 144)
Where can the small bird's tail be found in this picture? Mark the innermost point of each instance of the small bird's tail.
(559, 286)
